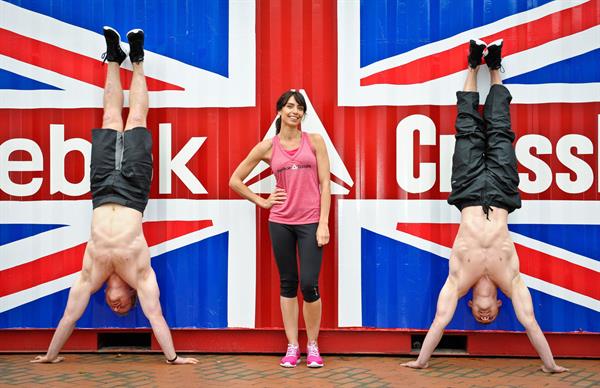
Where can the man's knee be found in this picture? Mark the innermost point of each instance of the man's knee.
(112, 120)
(136, 120)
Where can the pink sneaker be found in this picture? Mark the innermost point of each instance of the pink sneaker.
(313, 360)
(292, 357)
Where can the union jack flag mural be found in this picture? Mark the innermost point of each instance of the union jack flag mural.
(380, 80)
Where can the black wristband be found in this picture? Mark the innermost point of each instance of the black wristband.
(173, 360)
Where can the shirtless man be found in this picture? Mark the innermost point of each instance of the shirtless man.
(121, 172)
(484, 188)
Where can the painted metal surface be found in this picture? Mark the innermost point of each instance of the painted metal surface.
(380, 79)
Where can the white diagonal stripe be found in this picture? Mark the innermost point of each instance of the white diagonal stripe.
(202, 88)
(556, 252)
(29, 295)
(562, 293)
(478, 32)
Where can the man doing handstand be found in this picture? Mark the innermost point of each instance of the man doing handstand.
(485, 189)
(121, 172)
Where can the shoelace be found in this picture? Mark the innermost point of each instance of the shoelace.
(313, 350)
(291, 351)
(103, 57)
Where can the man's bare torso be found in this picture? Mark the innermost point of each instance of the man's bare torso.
(116, 245)
(483, 247)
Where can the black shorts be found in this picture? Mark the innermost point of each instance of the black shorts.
(484, 165)
(121, 167)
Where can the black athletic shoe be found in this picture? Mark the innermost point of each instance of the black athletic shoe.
(493, 57)
(114, 52)
(136, 45)
(476, 49)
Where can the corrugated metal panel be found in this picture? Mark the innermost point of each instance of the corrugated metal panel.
(366, 68)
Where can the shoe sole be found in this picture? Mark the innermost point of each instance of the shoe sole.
(480, 42)
(496, 43)
(288, 365)
(134, 31)
(314, 365)
(107, 28)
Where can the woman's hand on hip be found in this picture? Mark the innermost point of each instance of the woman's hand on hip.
(277, 197)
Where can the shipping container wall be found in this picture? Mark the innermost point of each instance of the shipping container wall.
(379, 78)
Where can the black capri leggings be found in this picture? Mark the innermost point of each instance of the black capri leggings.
(284, 239)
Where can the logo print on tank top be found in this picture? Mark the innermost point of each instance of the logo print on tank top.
(294, 167)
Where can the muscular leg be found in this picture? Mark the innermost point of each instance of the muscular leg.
(468, 161)
(138, 98)
(113, 98)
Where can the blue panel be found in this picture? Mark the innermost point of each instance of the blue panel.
(580, 69)
(581, 239)
(193, 285)
(400, 286)
(9, 80)
(14, 232)
(192, 31)
(195, 278)
(389, 28)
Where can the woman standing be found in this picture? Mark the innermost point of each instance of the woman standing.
(299, 216)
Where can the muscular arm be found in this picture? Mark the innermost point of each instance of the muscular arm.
(323, 171)
(79, 297)
(446, 306)
(148, 295)
(521, 299)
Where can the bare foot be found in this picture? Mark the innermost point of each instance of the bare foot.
(555, 369)
(415, 365)
(46, 360)
(183, 360)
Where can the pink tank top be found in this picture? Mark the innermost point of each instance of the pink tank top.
(297, 174)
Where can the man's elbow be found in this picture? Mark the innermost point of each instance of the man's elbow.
(440, 322)
(68, 319)
(154, 315)
(528, 321)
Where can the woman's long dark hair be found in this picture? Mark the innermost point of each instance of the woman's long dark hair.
(283, 99)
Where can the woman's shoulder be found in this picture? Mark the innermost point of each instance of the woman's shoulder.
(262, 149)
(316, 140)
(265, 144)
(314, 137)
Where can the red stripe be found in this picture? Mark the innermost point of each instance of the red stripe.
(157, 232)
(559, 272)
(442, 234)
(66, 62)
(538, 32)
(533, 263)
(69, 261)
(42, 270)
